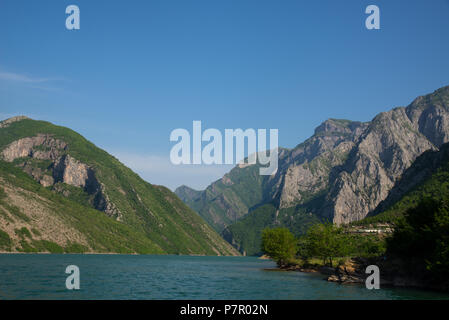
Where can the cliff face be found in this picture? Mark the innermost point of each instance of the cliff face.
(426, 176)
(344, 170)
(389, 145)
(305, 171)
(59, 167)
(91, 201)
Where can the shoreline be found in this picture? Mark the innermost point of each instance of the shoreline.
(353, 272)
(115, 253)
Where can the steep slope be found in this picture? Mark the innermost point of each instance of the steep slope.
(303, 173)
(390, 144)
(340, 174)
(427, 177)
(228, 199)
(70, 191)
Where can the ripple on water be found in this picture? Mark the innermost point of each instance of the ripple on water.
(34, 276)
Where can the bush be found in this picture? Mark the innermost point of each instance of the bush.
(5, 240)
(23, 232)
(75, 248)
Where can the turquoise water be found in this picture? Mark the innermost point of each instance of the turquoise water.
(41, 276)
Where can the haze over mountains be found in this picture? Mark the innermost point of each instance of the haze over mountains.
(341, 174)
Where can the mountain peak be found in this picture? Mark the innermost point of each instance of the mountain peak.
(337, 126)
(7, 122)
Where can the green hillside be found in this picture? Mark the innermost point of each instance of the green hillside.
(228, 199)
(246, 233)
(113, 211)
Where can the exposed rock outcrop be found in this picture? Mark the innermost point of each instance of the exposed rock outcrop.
(62, 168)
(389, 145)
(306, 171)
(350, 271)
(152, 220)
(341, 173)
(423, 168)
(42, 146)
(7, 122)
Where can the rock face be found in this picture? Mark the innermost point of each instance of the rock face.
(7, 122)
(62, 168)
(341, 173)
(77, 179)
(389, 145)
(422, 169)
(49, 148)
(305, 172)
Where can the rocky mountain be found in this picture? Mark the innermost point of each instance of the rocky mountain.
(428, 176)
(60, 193)
(302, 174)
(340, 174)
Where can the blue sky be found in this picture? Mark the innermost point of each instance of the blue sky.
(136, 70)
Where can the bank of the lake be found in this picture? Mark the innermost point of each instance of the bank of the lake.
(33, 276)
(393, 273)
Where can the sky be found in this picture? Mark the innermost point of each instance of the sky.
(136, 70)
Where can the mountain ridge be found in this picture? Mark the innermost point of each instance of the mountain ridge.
(64, 171)
(343, 171)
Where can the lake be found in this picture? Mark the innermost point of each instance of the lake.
(42, 276)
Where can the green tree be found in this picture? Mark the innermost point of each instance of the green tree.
(423, 235)
(280, 244)
(325, 241)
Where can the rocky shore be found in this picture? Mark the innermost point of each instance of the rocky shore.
(392, 273)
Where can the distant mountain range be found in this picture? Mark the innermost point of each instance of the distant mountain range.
(60, 193)
(346, 171)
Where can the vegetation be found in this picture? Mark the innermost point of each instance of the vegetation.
(324, 241)
(422, 238)
(322, 244)
(241, 196)
(246, 232)
(15, 211)
(280, 244)
(35, 232)
(5, 241)
(153, 219)
(75, 248)
(435, 186)
(23, 233)
(47, 246)
(328, 242)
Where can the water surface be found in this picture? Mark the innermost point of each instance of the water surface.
(42, 276)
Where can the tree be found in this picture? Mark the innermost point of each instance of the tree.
(280, 244)
(325, 241)
(423, 235)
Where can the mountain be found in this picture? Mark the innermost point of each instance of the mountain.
(60, 193)
(302, 175)
(340, 174)
(228, 199)
(427, 177)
